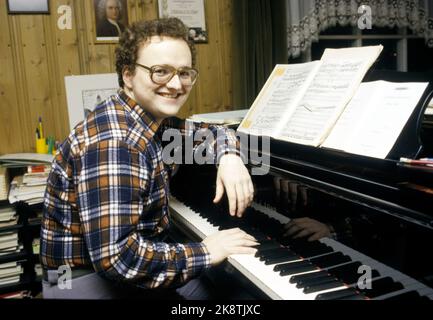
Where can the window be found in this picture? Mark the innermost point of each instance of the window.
(403, 51)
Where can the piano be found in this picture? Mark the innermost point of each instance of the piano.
(381, 212)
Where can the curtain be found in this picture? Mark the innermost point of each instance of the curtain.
(307, 18)
(260, 43)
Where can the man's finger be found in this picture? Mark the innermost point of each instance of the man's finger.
(240, 198)
(219, 191)
(231, 195)
(303, 233)
(293, 187)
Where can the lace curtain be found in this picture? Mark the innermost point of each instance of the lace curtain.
(307, 18)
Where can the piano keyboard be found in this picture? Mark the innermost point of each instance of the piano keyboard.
(283, 274)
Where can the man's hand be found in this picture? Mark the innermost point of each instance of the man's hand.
(290, 192)
(232, 241)
(233, 177)
(306, 227)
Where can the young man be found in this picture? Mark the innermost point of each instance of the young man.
(106, 204)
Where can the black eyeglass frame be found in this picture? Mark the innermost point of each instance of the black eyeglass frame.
(174, 72)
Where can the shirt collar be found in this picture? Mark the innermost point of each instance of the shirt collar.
(147, 118)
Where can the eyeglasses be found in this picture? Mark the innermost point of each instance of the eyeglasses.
(163, 74)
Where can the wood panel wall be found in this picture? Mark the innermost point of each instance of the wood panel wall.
(35, 56)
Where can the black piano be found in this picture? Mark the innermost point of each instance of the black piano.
(380, 212)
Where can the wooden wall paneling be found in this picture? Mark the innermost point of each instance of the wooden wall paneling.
(52, 69)
(82, 35)
(37, 81)
(210, 89)
(227, 58)
(10, 121)
(20, 77)
(36, 56)
(133, 10)
(66, 53)
(149, 9)
(99, 53)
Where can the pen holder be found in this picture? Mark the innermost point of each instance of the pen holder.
(41, 146)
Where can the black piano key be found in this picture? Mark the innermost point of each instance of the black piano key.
(258, 235)
(294, 265)
(323, 261)
(312, 275)
(300, 269)
(267, 245)
(286, 257)
(281, 259)
(330, 260)
(329, 284)
(309, 249)
(410, 295)
(277, 252)
(311, 252)
(355, 297)
(381, 286)
(338, 294)
(348, 273)
(313, 282)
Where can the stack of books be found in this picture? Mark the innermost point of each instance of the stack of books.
(10, 273)
(9, 243)
(4, 183)
(8, 216)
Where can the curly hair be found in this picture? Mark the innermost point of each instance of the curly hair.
(139, 32)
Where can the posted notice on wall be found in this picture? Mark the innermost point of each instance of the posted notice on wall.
(191, 12)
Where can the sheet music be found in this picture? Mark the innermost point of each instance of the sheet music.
(349, 120)
(282, 91)
(373, 121)
(330, 90)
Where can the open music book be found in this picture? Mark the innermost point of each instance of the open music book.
(322, 103)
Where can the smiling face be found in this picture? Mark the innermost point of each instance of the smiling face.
(161, 101)
(112, 9)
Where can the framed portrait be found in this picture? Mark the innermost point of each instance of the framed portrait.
(28, 7)
(111, 18)
(191, 13)
(85, 92)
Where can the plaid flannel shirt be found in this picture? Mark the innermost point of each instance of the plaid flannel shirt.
(106, 202)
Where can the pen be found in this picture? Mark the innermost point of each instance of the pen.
(41, 132)
(420, 162)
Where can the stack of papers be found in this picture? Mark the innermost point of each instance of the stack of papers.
(223, 118)
(25, 159)
(30, 193)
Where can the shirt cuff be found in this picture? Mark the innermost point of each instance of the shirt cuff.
(197, 258)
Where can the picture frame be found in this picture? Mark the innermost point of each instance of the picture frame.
(28, 7)
(85, 92)
(111, 19)
(192, 14)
